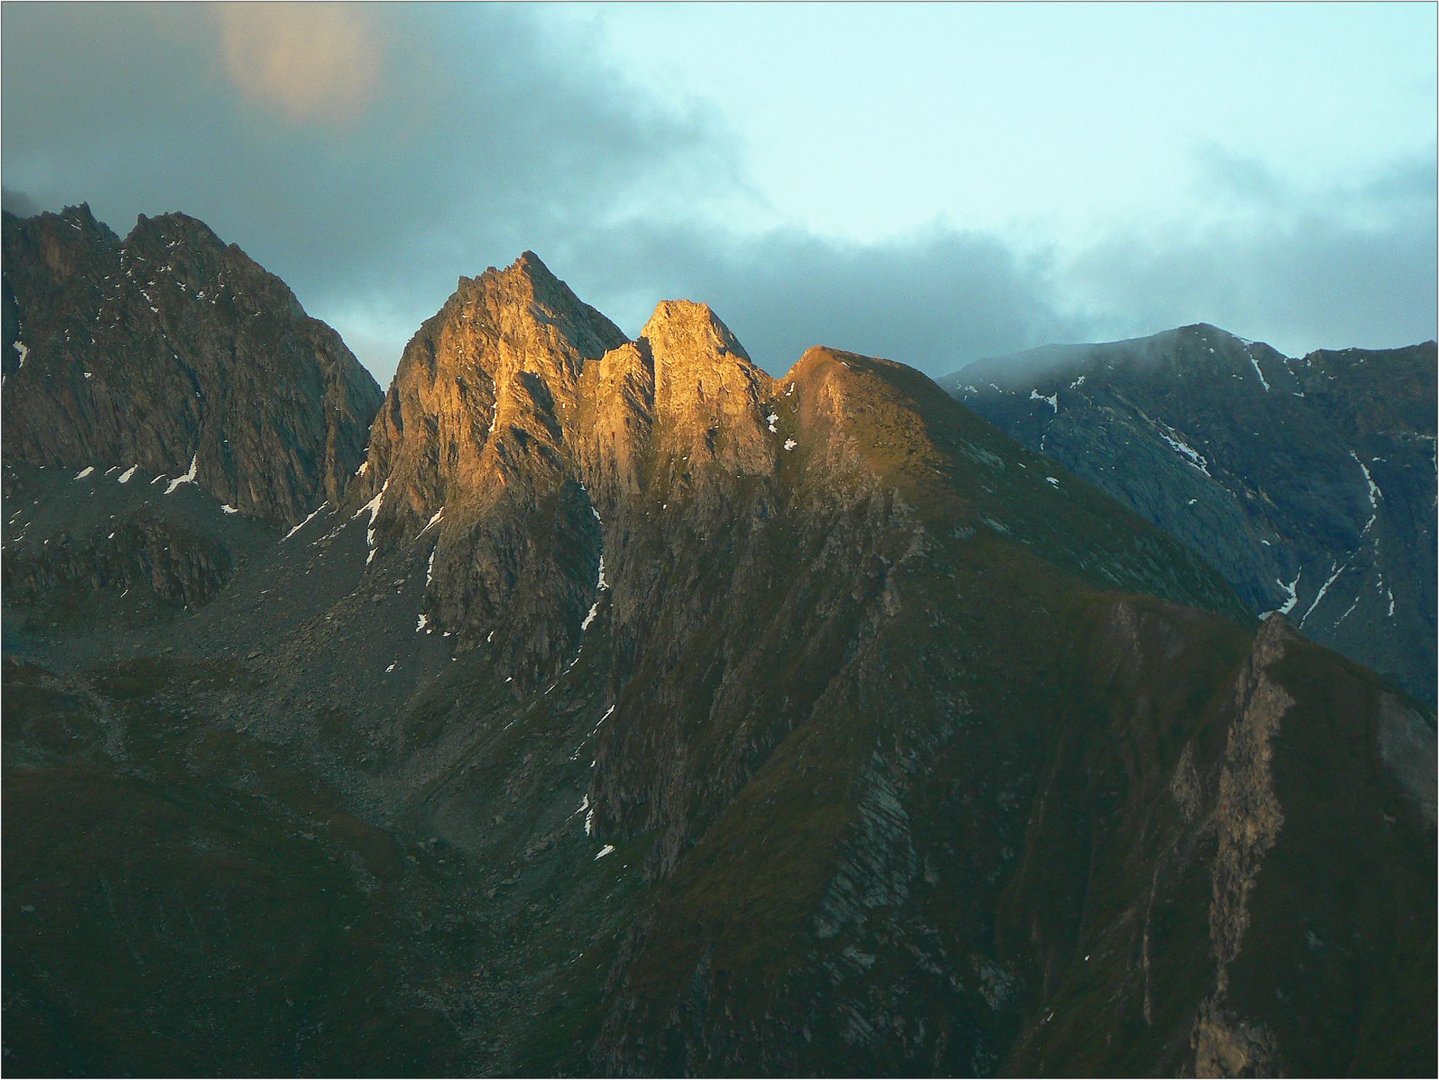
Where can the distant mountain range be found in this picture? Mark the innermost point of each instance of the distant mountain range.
(1309, 483)
(589, 705)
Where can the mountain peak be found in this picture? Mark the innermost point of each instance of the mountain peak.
(526, 299)
(685, 329)
(80, 212)
(173, 226)
(1299, 479)
(528, 271)
(531, 265)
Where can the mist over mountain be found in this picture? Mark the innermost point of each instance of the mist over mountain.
(594, 705)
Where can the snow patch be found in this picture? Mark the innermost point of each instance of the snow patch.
(1262, 380)
(302, 524)
(86, 471)
(373, 506)
(1053, 480)
(1374, 491)
(391, 668)
(770, 420)
(227, 508)
(433, 519)
(23, 350)
(90, 374)
(790, 444)
(600, 586)
(430, 571)
(188, 478)
(1293, 590)
(1053, 399)
(1336, 571)
(607, 849)
(1348, 611)
(1193, 456)
(423, 623)
(1077, 383)
(124, 477)
(364, 468)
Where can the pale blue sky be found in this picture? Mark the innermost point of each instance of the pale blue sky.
(929, 182)
(867, 121)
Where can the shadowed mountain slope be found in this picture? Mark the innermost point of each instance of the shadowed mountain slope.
(1308, 483)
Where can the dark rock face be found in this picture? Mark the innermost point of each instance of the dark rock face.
(1308, 483)
(172, 352)
(636, 712)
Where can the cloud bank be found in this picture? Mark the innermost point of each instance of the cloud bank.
(372, 154)
(310, 62)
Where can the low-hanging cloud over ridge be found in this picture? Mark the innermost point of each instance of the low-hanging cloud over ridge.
(426, 142)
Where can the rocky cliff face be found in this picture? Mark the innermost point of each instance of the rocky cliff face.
(1308, 482)
(173, 353)
(1198, 910)
(637, 712)
(638, 486)
(517, 399)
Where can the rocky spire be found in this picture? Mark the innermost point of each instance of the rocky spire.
(486, 382)
(710, 398)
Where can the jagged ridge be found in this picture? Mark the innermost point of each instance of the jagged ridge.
(517, 400)
(172, 352)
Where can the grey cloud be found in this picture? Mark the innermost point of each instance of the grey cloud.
(481, 133)
(1222, 170)
(1406, 182)
(481, 139)
(936, 301)
(18, 203)
(1357, 267)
